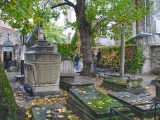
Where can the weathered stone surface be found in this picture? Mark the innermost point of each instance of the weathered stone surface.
(42, 67)
(67, 68)
(134, 82)
(155, 59)
(91, 104)
(67, 82)
(140, 104)
(119, 85)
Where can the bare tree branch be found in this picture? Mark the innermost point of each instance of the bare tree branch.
(97, 25)
(65, 3)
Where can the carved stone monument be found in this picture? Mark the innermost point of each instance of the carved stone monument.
(42, 67)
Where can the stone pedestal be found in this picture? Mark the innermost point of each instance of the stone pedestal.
(67, 68)
(42, 68)
(135, 86)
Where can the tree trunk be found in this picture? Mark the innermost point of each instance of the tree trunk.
(122, 60)
(85, 33)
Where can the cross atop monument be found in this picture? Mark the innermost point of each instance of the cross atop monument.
(8, 36)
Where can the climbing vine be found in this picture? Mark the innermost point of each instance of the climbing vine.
(134, 56)
(69, 49)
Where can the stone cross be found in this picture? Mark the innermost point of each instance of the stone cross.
(8, 36)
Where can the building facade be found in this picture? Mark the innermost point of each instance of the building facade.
(9, 44)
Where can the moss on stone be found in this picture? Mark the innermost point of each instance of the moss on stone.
(8, 106)
(157, 78)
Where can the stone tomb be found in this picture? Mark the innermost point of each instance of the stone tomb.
(67, 82)
(91, 104)
(141, 104)
(42, 67)
(119, 84)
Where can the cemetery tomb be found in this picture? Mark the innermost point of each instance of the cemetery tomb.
(90, 104)
(42, 67)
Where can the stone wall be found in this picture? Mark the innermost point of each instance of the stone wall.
(14, 35)
(145, 39)
(155, 59)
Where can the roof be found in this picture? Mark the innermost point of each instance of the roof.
(13, 30)
(8, 43)
(142, 34)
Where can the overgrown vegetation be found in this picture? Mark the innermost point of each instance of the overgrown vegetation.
(69, 49)
(8, 107)
(134, 56)
(109, 54)
(54, 33)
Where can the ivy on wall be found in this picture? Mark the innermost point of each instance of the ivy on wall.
(134, 56)
(69, 49)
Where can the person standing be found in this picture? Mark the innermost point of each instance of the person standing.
(95, 64)
(76, 59)
(98, 55)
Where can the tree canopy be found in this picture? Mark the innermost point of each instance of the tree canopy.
(93, 18)
(54, 33)
(24, 14)
(104, 16)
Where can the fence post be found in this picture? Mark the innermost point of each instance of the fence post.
(155, 110)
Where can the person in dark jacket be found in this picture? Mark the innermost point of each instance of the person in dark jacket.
(98, 55)
(76, 59)
(95, 64)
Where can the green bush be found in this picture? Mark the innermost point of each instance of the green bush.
(68, 49)
(134, 56)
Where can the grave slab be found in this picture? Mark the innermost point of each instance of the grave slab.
(140, 103)
(67, 82)
(91, 104)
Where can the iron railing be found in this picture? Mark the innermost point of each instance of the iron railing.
(154, 107)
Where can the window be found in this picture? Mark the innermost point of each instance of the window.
(157, 26)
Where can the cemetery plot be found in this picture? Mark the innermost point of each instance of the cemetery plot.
(91, 104)
(69, 82)
(51, 108)
(140, 104)
(120, 85)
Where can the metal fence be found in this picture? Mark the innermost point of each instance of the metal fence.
(154, 107)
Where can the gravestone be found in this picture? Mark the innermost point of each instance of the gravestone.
(67, 66)
(42, 67)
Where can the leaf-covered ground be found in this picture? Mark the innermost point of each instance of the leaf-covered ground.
(64, 112)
